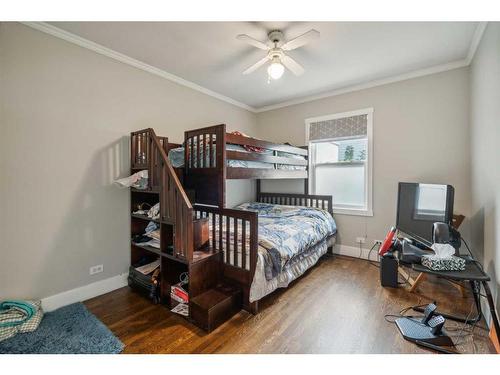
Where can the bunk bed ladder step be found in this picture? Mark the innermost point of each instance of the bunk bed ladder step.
(215, 306)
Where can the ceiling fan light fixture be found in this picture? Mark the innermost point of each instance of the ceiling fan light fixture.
(276, 53)
(276, 69)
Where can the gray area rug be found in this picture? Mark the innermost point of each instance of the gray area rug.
(69, 330)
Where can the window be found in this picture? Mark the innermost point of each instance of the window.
(341, 160)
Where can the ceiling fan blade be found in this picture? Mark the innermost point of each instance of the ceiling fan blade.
(301, 40)
(256, 66)
(253, 42)
(292, 65)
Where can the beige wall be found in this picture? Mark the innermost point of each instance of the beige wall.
(421, 134)
(485, 140)
(65, 113)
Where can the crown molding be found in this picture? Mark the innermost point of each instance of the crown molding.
(476, 39)
(368, 85)
(85, 43)
(108, 52)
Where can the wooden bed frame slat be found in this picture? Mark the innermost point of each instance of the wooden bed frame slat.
(257, 173)
(247, 141)
(254, 156)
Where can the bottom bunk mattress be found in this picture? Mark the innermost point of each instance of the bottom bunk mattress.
(291, 239)
(261, 286)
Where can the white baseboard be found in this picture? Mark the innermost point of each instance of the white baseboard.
(353, 251)
(84, 292)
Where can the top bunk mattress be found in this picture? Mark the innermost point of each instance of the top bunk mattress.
(176, 157)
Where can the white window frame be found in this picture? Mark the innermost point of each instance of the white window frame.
(337, 209)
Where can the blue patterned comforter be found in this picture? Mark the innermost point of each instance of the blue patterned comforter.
(286, 232)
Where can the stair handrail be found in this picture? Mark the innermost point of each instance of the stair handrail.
(171, 170)
(183, 215)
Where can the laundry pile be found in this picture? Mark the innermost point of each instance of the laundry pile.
(151, 212)
(138, 180)
(19, 317)
(151, 236)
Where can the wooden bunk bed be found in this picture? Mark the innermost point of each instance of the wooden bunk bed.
(206, 172)
(222, 269)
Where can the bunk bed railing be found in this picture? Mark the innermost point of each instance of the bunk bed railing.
(150, 152)
(324, 202)
(205, 161)
(235, 234)
(143, 155)
(206, 149)
(209, 161)
(241, 140)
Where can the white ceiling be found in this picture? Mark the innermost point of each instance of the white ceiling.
(347, 54)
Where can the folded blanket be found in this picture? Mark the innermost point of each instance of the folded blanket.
(15, 312)
(19, 317)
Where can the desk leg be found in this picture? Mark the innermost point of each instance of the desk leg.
(475, 291)
(491, 305)
(421, 277)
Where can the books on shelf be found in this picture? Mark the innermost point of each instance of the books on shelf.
(148, 268)
(179, 294)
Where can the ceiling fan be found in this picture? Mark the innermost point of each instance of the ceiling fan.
(276, 54)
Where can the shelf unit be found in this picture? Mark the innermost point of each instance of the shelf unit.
(203, 265)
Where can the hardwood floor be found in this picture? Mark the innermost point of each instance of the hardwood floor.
(337, 307)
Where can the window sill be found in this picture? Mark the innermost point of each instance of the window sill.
(352, 211)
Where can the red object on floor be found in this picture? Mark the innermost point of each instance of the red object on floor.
(179, 292)
(386, 245)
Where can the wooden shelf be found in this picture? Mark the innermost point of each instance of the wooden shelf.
(173, 257)
(151, 249)
(203, 254)
(144, 217)
(198, 256)
(147, 191)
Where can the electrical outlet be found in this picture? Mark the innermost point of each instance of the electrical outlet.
(377, 242)
(96, 269)
(360, 239)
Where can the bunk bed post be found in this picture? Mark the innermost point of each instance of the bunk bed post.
(306, 180)
(258, 189)
(222, 162)
(254, 308)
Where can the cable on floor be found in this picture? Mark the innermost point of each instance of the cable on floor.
(402, 313)
(370, 253)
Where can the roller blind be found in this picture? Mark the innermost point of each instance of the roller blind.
(352, 126)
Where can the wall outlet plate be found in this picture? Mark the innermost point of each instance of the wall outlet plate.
(377, 242)
(360, 239)
(96, 269)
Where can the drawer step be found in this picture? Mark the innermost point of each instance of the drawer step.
(215, 306)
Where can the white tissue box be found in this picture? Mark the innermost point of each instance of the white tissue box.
(435, 263)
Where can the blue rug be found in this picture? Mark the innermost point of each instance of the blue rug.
(69, 330)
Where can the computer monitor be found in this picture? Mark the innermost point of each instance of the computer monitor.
(420, 206)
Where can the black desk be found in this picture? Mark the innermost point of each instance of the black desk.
(475, 276)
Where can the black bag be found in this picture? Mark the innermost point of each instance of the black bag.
(144, 284)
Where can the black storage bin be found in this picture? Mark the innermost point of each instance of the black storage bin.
(144, 285)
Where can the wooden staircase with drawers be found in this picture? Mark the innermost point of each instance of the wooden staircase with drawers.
(184, 246)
